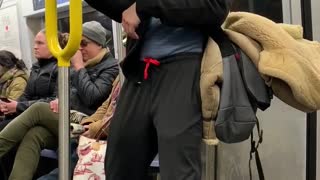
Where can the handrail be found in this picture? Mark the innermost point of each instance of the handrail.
(63, 55)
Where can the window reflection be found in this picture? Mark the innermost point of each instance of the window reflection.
(271, 9)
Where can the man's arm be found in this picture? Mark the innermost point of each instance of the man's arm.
(172, 12)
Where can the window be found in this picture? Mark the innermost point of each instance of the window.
(39, 4)
(105, 21)
(271, 9)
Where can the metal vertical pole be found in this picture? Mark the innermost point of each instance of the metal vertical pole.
(311, 146)
(118, 45)
(311, 156)
(64, 56)
(64, 124)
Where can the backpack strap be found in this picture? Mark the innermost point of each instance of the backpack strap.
(254, 149)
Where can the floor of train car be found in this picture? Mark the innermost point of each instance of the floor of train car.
(48, 164)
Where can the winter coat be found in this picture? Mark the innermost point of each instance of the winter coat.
(13, 83)
(289, 64)
(97, 121)
(41, 85)
(91, 86)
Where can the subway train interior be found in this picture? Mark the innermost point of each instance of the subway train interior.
(290, 149)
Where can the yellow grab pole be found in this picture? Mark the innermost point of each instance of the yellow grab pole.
(63, 56)
(75, 35)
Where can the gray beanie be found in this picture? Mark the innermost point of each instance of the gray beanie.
(96, 32)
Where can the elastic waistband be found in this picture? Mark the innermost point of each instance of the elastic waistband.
(139, 70)
(178, 57)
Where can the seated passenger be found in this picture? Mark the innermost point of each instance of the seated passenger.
(41, 83)
(13, 77)
(94, 70)
(93, 124)
(41, 87)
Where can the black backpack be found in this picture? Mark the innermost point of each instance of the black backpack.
(243, 91)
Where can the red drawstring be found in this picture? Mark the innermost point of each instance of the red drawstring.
(149, 61)
(237, 56)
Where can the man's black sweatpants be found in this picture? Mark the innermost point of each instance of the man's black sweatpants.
(161, 114)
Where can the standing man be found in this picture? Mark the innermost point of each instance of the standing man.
(159, 110)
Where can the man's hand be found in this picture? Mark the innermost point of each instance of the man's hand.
(8, 107)
(130, 21)
(54, 105)
(77, 61)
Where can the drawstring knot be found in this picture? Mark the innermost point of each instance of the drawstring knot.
(149, 61)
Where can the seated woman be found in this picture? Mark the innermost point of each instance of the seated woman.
(13, 76)
(94, 70)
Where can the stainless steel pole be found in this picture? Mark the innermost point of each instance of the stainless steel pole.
(64, 124)
(64, 56)
(118, 45)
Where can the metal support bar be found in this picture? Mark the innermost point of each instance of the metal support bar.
(311, 146)
(311, 156)
(208, 161)
(64, 55)
(118, 45)
(306, 16)
(64, 124)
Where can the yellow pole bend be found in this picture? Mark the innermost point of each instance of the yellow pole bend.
(63, 55)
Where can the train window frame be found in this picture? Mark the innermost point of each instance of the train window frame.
(39, 4)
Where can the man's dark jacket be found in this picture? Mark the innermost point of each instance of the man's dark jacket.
(202, 14)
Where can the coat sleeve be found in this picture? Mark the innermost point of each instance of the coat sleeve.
(185, 12)
(98, 115)
(24, 103)
(91, 91)
(16, 88)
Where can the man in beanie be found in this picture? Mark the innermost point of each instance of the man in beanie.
(94, 39)
(94, 31)
(92, 75)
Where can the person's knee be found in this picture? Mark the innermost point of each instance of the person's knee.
(39, 106)
(40, 136)
(36, 132)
